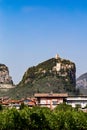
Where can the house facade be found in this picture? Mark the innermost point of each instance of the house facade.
(10, 103)
(78, 100)
(50, 100)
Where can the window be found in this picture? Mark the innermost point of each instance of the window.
(54, 102)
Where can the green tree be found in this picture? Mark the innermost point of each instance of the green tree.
(12, 119)
(25, 118)
(63, 107)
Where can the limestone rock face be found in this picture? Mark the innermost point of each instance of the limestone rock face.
(4, 75)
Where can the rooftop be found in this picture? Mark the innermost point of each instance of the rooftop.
(51, 95)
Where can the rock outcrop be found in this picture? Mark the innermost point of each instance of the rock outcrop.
(4, 75)
(55, 74)
(56, 66)
(5, 79)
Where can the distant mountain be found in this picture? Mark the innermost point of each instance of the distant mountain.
(81, 83)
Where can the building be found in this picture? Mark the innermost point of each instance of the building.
(50, 100)
(57, 56)
(30, 102)
(10, 103)
(77, 100)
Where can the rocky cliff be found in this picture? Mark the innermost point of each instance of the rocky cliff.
(53, 67)
(4, 75)
(55, 74)
(5, 79)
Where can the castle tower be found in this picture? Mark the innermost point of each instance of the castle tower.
(57, 56)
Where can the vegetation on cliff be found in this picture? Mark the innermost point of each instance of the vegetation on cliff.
(49, 68)
(56, 75)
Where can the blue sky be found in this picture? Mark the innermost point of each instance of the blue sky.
(32, 31)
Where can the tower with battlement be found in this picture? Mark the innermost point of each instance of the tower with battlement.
(57, 56)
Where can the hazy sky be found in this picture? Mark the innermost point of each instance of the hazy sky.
(32, 31)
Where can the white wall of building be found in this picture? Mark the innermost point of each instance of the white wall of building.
(73, 101)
